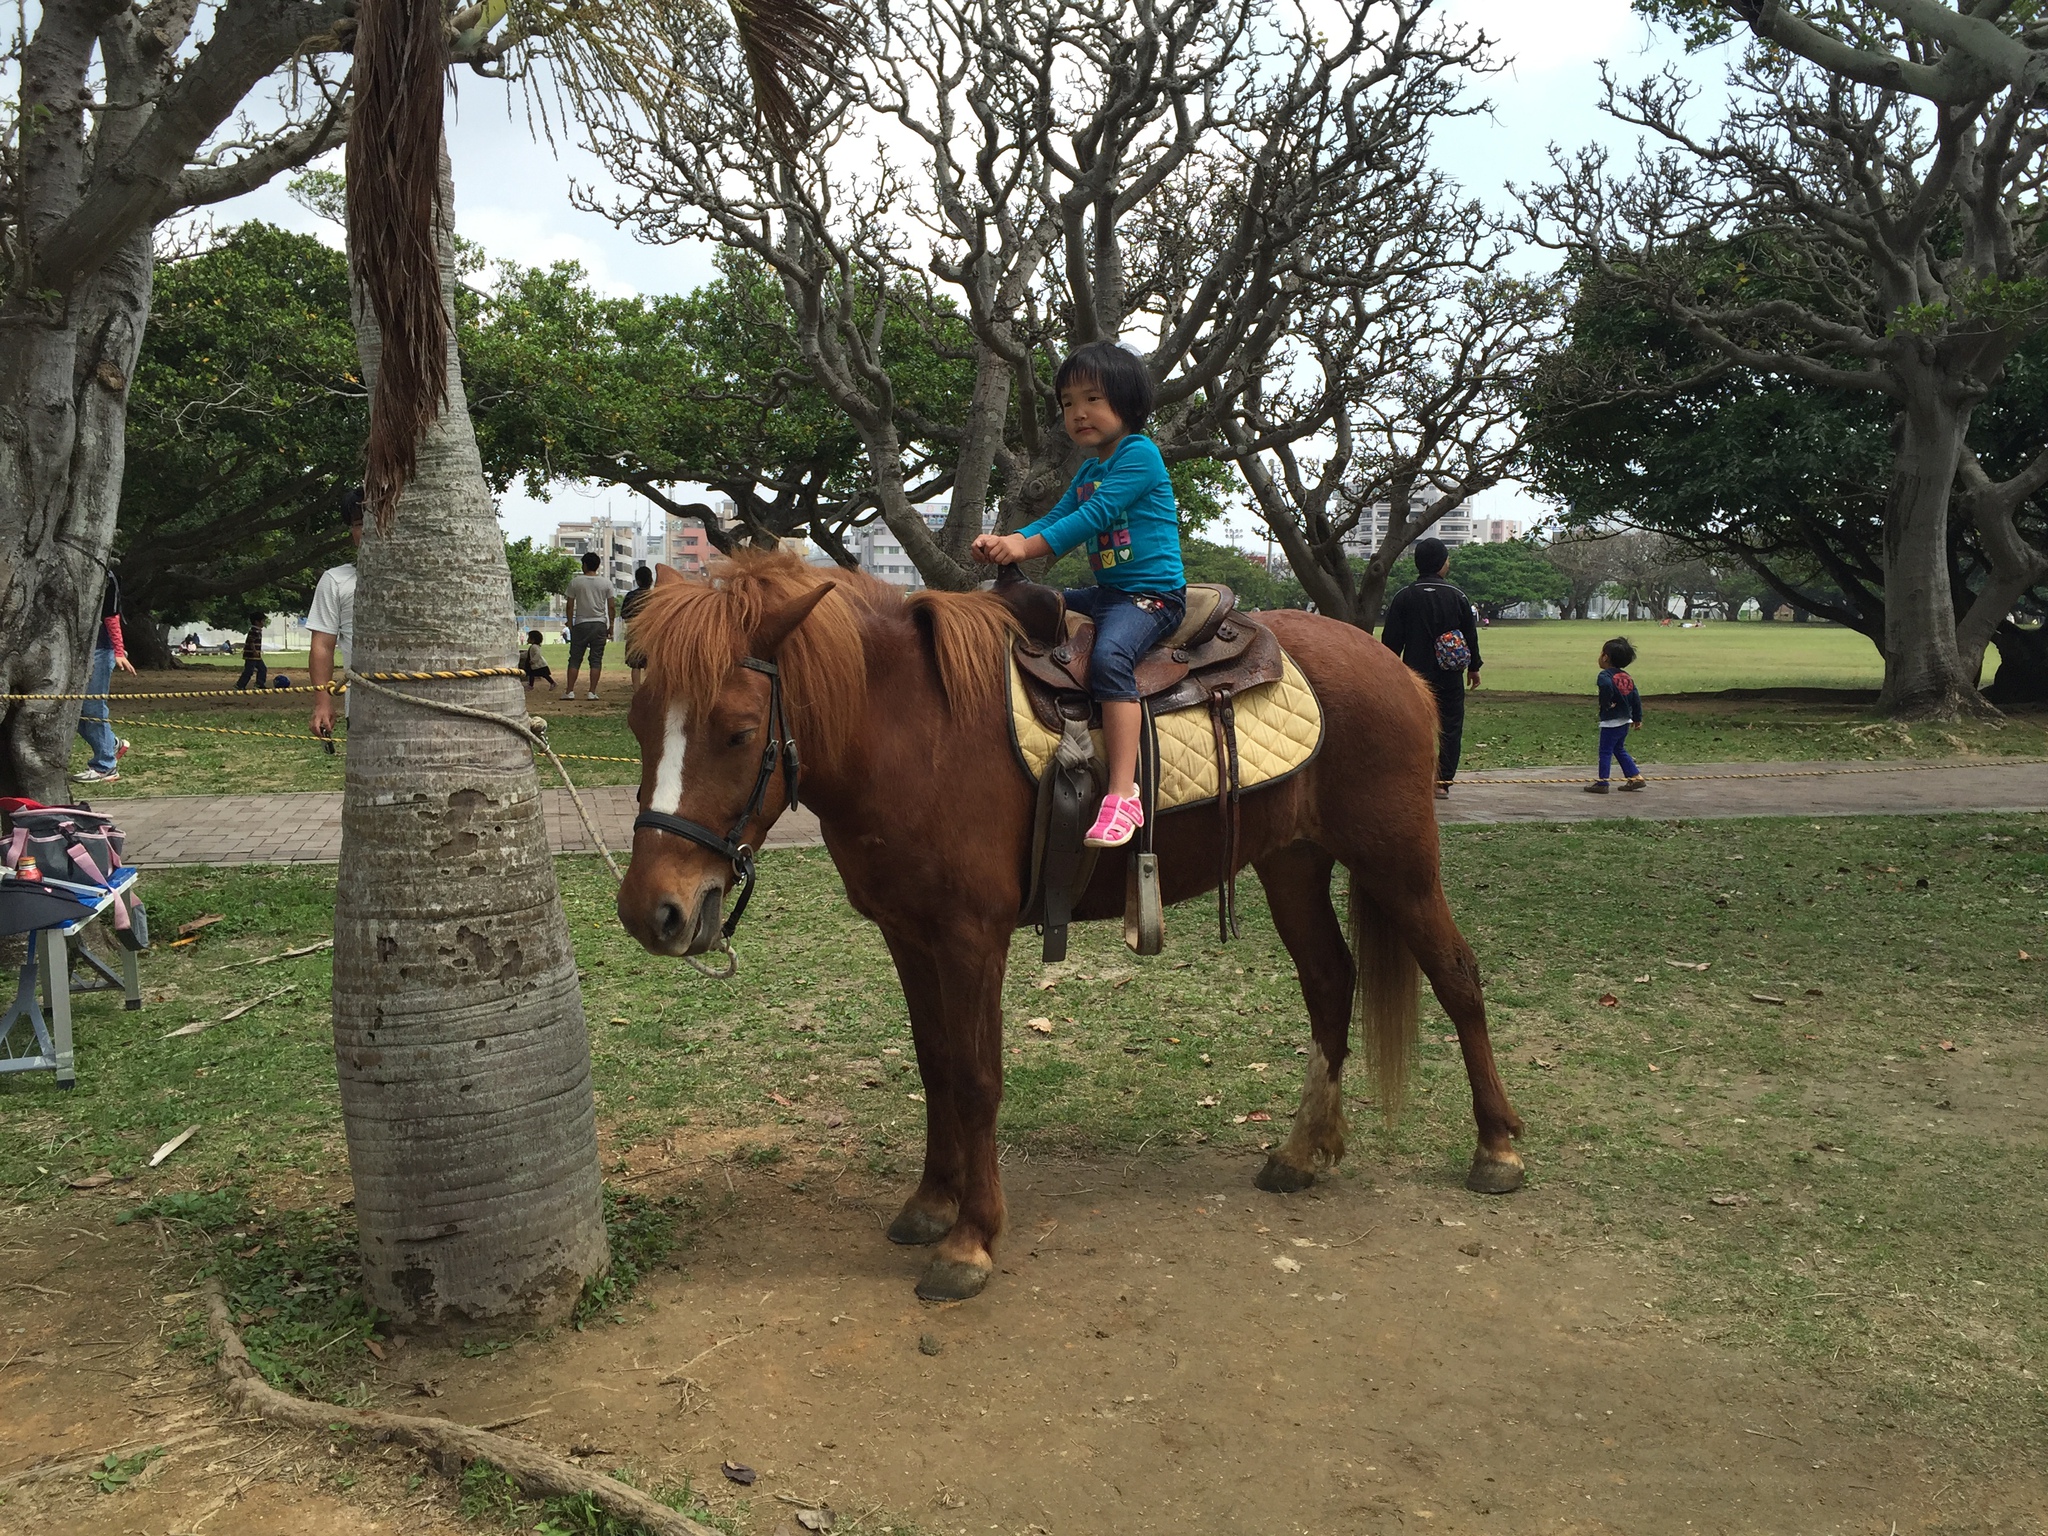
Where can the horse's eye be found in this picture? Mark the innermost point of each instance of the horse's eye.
(741, 738)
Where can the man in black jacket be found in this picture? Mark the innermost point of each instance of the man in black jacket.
(1430, 624)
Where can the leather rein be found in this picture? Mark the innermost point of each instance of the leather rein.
(781, 749)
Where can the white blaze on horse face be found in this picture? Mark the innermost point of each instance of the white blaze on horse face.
(668, 772)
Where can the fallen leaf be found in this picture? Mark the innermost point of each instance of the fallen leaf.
(374, 1348)
(928, 1344)
(1449, 1221)
(1237, 1119)
(1689, 965)
(1287, 1266)
(1727, 1199)
(834, 1120)
(1255, 1066)
(1047, 983)
(187, 930)
(1815, 992)
(197, 1026)
(2025, 956)
(1043, 1026)
(425, 1389)
(619, 1018)
(778, 1098)
(91, 1181)
(1948, 1045)
(1655, 1068)
(1206, 1103)
(1470, 1250)
(173, 1144)
(181, 943)
(1640, 979)
(1767, 997)
(815, 1519)
(1545, 1065)
(736, 1473)
(1258, 1114)
(1609, 1000)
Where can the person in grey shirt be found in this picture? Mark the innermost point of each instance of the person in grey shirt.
(591, 608)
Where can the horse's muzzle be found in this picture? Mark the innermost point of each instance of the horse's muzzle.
(674, 924)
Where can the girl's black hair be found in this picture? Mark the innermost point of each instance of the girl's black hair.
(1620, 652)
(1120, 376)
(533, 637)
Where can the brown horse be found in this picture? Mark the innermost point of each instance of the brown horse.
(900, 707)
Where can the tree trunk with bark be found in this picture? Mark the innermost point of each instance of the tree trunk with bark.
(1925, 675)
(63, 406)
(458, 1026)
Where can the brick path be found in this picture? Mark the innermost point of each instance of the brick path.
(274, 829)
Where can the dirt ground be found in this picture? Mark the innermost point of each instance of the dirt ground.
(1164, 1349)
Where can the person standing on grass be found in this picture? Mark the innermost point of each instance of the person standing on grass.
(1621, 711)
(591, 609)
(95, 723)
(1432, 627)
(332, 619)
(643, 585)
(252, 657)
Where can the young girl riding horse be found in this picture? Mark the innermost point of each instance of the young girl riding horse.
(1120, 504)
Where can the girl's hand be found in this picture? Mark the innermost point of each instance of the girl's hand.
(999, 549)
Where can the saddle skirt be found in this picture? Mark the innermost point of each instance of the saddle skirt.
(1279, 731)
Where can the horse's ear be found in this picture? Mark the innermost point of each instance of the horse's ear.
(778, 624)
(667, 573)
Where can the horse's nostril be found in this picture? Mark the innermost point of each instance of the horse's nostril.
(668, 920)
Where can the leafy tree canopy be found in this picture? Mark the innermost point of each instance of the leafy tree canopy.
(245, 422)
(537, 574)
(1498, 576)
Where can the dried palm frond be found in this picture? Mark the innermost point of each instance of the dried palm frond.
(394, 165)
(783, 41)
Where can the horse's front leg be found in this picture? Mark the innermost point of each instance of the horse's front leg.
(929, 1213)
(956, 1018)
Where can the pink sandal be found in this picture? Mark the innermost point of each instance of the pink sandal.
(1116, 822)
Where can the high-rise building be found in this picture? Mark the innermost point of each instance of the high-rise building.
(1460, 527)
(620, 546)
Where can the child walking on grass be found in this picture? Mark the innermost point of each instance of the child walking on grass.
(1121, 506)
(1621, 710)
(534, 664)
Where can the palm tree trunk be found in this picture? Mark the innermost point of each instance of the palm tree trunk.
(458, 1026)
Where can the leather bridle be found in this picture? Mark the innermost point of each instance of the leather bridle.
(780, 749)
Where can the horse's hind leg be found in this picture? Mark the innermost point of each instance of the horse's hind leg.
(1423, 921)
(1297, 882)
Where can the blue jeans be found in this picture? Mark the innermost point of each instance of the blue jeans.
(1124, 632)
(1614, 749)
(94, 723)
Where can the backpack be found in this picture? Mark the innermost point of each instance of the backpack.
(1452, 653)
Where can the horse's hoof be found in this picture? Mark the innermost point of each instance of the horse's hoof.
(1493, 1175)
(1283, 1178)
(951, 1280)
(916, 1227)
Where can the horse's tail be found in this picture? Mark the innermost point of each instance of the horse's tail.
(1386, 1011)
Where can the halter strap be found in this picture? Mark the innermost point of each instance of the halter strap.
(780, 750)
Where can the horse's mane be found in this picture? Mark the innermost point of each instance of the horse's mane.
(695, 631)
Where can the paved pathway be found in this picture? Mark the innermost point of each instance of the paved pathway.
(273, 829)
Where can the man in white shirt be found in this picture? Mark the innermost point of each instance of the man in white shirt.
(332, 619)
(591, 607)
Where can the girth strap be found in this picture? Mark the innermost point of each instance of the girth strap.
(1229, 795)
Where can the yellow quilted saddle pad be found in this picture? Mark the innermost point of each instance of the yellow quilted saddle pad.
(1279, 729)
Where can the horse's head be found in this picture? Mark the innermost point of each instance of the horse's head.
(718, 762)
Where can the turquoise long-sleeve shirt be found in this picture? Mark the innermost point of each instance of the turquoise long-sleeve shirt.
(1124, 511)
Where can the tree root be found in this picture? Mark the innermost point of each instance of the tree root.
(536, 1471)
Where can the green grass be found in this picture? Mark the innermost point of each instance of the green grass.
(1561, 656)
(1536, 710)
(1892, 1241)
(1540, 731)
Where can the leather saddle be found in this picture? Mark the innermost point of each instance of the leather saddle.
(1214, 648)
